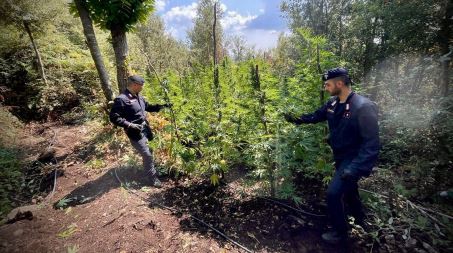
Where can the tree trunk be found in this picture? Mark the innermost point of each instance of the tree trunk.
(214, 37)
(368, 52)
(216, 69)
(318, 64)
(261, 96)
(38, 56)
(444, 37)
(94, 48)
(119, 42)
(340, 33)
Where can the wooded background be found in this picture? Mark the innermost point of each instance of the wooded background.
(64, 62)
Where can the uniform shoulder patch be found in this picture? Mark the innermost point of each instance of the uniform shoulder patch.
(121, 96)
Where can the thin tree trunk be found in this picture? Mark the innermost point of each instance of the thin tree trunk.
(444, 37)
(325, 18)
(367, 55)
(262, 113)
(374, 94)
(340, 33)
(213, 32)
(120, 48)
(143, 37)
(92, 43)
(35, 48)
(318, 63)
(421, 73)
(321, 90)
(216, 68)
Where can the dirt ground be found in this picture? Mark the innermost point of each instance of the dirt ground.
(100, 215)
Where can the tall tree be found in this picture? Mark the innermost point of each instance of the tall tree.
(153, 46)
(314, 14)
(201, 36)
(286, 54)
(82, 9)
(323, 17)
(165, 52)
(119, 17)
(29, 16)
(154, 42)
(365, 33)
(445, 42)
(238, 49)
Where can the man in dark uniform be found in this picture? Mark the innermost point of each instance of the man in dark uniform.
(128, 111)
(354, 139)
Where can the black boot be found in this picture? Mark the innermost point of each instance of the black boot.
(334, 237)
(154, 181)
(157, 183)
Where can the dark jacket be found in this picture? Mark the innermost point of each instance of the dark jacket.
(128, 108)
(354, 130)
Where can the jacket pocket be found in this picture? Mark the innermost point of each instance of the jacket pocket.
(134, 134)
(148, 133)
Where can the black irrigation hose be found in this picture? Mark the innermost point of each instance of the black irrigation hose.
(54, 180)
(293, 208)
(56, 162)
(290, 207)
(190, 215)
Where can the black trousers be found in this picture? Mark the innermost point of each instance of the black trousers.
(342, 199)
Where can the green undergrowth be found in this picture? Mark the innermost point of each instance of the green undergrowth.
(10, 163)
(398, 222)
(10, 178)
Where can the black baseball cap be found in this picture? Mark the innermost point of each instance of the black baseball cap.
(136, 79)
(335, 72)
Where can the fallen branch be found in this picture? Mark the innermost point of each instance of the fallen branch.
(421, 209)
(110, 222)
(414, 206)
(375, 193)
(438, 213)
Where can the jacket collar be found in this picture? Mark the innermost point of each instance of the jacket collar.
(349, 96)
(129, 94)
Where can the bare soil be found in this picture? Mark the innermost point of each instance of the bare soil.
(98, 214)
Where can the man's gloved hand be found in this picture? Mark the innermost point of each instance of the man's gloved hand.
(292, 119)
(349, 175)
(166, 105)
(138, 127)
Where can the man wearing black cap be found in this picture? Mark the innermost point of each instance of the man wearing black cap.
(354, 139)
(128, 111)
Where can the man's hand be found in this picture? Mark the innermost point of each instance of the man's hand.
(292, 119)
(349, 175)
(166, 105)
(134, 126)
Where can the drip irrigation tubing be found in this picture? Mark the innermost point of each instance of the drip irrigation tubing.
(287, 206)
(188, 214)
(56, 163)
(293, 208)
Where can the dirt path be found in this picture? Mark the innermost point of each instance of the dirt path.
(101, 216)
